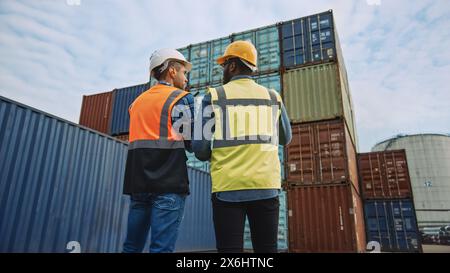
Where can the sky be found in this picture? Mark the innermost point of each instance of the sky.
(397, 52)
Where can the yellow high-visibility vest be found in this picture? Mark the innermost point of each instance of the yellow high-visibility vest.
(245, 141)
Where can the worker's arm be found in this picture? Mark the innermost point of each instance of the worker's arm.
(284, 127)
(183, 111)
(201, 143)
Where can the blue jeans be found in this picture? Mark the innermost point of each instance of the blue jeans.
(163, 213)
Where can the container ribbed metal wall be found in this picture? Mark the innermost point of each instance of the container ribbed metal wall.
(309, 39)
(393, 224)
(61, 182)
(123, 98)
(428, 158)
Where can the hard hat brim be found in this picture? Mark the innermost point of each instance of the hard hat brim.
(222, 59)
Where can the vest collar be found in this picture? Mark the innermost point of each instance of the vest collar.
(239, 77)
(164, 83)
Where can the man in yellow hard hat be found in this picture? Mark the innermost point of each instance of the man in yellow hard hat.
(243, 120)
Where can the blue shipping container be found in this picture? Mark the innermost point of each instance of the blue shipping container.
(308, 39)
(123, 98)
(393, 224)
(61, 182)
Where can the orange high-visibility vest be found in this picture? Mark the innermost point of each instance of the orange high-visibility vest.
(156, 161)
(150, 114)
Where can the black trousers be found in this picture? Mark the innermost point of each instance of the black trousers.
(229, 223)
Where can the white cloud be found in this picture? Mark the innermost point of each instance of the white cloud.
(396, 52)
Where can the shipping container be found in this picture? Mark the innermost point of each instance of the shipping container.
(61, 182)
(384, 175)
(308, 40)
(321, 153)
(96, 111)
(123, 98)
(317, 93)
(327, 218)
(393, 224)
(193, 162)
(203, 56)
(186, 52)
(266, 41)
(271, 81)
(217, 49)
(282, 227)
(201, 63)
(197, 228)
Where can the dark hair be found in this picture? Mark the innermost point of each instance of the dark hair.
(161, 75)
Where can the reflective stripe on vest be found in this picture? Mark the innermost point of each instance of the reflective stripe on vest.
(223, 102)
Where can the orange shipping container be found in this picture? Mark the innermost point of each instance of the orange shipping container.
(321, 153)
(325, 219)
(384, 175)
(96, 111)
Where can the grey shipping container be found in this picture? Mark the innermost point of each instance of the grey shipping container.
(123, 98)
(393, 224)
(319, 92)
(61, 182)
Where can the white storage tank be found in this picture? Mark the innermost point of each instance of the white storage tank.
(428, 157)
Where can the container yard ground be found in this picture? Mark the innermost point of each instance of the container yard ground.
(435, 249)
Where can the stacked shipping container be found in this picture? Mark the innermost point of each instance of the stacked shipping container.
(388, 201)
(324, 203)
(302, 60)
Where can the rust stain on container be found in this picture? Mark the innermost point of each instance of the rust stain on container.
(321, 153)
(384, 175)
(325, 219)
(96, 111)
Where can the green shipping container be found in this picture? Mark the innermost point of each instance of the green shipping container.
(319, 92)
(267, 43)
(217, 49)
(200, 59)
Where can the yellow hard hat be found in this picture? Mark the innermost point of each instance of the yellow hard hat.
(241, 49)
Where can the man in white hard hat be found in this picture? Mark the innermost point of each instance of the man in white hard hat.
(156, 175)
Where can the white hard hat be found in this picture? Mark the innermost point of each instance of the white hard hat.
(160, 56)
